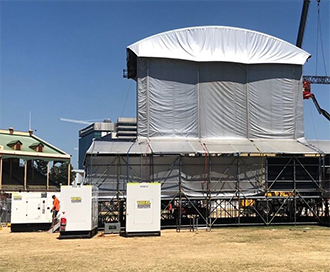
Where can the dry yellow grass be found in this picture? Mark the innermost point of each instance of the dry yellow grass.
(304, 248)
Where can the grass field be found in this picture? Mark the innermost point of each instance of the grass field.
(285, 248)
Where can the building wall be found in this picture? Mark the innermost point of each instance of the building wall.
(84, 144)
(124, 129)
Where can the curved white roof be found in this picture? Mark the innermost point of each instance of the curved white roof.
(219, 43)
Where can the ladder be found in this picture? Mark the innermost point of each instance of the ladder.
(55, 226)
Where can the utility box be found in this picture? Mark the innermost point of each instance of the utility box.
(143, 209)
(110, 228)
(31, 211)
(79, 206)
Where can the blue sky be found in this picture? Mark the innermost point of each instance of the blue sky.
(65, 58)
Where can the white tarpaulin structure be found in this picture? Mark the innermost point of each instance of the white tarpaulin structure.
(322, 145)
(217, 82)
(220, 128)
(195, 168)
(219, 44)
(213, 102)
(209, 147)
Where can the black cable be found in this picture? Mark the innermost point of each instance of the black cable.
(321, 38)
(126, 99)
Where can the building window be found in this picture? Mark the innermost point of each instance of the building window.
(38, 147)
(16, 145)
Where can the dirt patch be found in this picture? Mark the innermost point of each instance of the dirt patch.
(224, 249)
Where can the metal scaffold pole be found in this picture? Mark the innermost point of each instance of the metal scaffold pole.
(321, 173)
(238, 188)
(266, 188)
(117, 190)
(178, 227)
(295, 191)
(208, 204)
(118, 174)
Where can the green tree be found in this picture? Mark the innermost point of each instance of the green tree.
(41, 166)
(59, 174)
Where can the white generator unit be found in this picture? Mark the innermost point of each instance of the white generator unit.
(31, 211)
(79, 206)
(143, 209)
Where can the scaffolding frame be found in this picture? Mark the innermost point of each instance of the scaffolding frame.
(287, 189)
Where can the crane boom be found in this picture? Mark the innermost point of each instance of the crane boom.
(302, 24)
(319, 109)
(317, 79)
(308, 95)
(307, 80)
